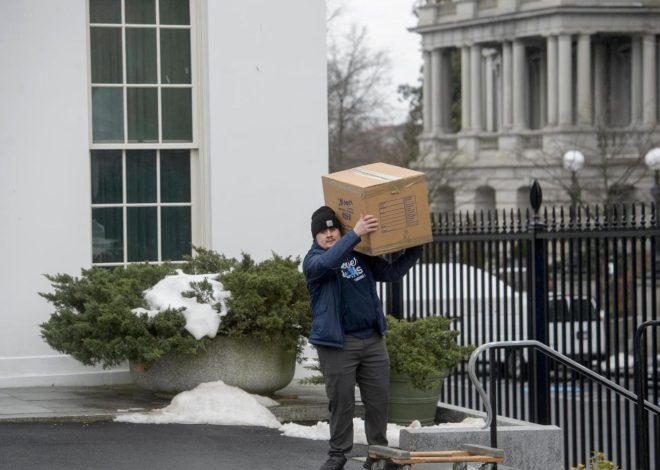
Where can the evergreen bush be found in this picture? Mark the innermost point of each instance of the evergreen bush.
(269, 301)
(94, 323)
(424, 350)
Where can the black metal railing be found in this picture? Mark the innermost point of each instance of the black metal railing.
(580, 281)
(642, 426)
(490, 400)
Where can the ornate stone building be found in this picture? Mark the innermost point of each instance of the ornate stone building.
(538, 78)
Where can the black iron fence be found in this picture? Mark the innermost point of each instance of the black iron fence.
(580, 281)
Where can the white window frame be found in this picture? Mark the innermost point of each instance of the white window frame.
(199, 184)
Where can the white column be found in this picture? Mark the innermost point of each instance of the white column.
(428, 100)
(465, 89)
(600, 98)
(650, 83)
(584, 99)
(445, 90)
(507, 79)
(565, 80)
(519, 88)
(543, 92)
(436, 104)
(636, 81)
(497, 85)
(551, 50)
(490, 90)
(475, 87)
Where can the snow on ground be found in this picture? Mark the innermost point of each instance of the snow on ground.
(221, 404)
(211, 403)
(201, 318)
(321, 430)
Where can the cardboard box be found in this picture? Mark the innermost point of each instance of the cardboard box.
(396, 196)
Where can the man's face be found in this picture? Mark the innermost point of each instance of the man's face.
(328, 237)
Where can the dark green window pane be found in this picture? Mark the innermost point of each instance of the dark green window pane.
(105, 44)
(140, 11)
(175, 232)
(106, 177)
(142, 114)
(141, 55)
(174, 11)
(107, 115)
(177, 115)
(140, 176)
(142, 234)
(107, 235)
(105, 11)
(175, 176)
(174, 56)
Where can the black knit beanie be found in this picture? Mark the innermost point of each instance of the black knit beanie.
(322, 218)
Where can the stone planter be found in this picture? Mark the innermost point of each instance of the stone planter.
(407, 403)
(526, 445)
(247, 363)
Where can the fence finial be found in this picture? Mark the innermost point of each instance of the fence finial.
(536, 196)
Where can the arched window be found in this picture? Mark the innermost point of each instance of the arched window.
(522, 198)
(443, 200)
(484, 199)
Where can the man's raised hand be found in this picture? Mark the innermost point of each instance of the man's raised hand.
(367, 224)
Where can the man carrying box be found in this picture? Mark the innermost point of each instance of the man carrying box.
(348, 326)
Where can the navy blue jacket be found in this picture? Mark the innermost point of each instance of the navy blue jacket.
(322, 269)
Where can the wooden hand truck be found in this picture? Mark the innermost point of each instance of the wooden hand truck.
(469, 453)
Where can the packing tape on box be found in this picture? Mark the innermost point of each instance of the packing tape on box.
(375, 174)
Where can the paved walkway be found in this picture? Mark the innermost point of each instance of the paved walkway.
(300, 403)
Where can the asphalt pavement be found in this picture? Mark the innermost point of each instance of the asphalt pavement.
(72, 428)
(122, 446)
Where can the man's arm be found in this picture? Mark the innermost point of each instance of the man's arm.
(389, 272)
(319, 265)
(316, 266)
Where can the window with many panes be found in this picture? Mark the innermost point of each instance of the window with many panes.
(142, 139)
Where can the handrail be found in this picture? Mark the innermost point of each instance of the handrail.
(556, 355)
(641, 423)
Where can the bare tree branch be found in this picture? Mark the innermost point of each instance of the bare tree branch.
(614, 165)
(357, 76)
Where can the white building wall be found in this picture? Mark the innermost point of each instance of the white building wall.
(44, 174)
(268, 123)
(266, 150)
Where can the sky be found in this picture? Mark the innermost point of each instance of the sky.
(387, 23)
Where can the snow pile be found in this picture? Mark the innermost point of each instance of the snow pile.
(201, 318)
(321, 430)
(211, 403)
(222, 404)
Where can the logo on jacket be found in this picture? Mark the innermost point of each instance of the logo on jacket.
(352, 270)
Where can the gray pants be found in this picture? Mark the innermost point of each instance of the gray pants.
(366, 362)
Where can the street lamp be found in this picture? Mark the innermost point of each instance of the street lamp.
(652, 160)
(573, 161)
